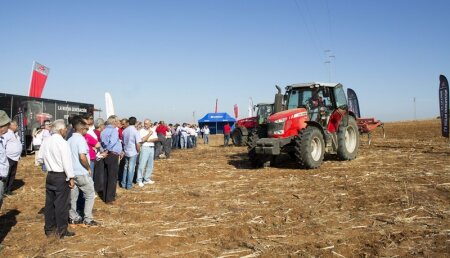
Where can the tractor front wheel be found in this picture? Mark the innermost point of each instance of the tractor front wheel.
(310, 147)
(348, 140)
(257, 160)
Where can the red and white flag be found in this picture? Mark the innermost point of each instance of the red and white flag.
(236, 111)
(38, 78)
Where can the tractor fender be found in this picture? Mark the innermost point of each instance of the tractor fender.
(244, 131)
(319, 126)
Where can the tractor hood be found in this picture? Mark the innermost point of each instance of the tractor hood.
(246, 120)
(288, 114)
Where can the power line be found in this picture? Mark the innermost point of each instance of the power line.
(329, 20)
(307, 27)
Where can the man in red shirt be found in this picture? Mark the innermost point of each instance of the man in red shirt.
(162, 142)
(226, 134)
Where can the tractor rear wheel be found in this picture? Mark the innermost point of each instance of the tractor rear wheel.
(348, 140)
(310, 147)
(238, 139)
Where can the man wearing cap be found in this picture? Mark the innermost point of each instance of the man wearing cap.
(4, 164)
(55, 154)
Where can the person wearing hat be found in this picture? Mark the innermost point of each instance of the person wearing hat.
(4, 164)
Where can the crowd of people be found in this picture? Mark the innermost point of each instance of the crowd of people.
(86, 159)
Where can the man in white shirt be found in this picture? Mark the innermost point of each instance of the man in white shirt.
(206, 134)
(4, 164)
(146, 154)
(13, 152)
(55, 154)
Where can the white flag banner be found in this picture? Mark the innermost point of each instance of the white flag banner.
(109, 105)
(250, 107)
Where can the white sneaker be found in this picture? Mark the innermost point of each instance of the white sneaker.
(149, 182)
(141, 184)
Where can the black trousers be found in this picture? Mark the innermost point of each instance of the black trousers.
(99, 175)
(57, 203)
(11, 175)
(111, 176)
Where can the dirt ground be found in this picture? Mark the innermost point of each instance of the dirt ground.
(393, 200)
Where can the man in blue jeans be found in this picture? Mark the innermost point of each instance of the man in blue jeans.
(131, 146)
(82, 170)
(147, 152)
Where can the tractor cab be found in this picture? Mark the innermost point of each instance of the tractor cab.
(319, 99)
(264, 110)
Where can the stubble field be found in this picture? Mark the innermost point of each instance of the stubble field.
(393, 200)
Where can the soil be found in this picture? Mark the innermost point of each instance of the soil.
(392, 200)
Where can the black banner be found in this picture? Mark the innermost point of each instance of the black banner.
(22, 131)
(443, 104)
(353, 103)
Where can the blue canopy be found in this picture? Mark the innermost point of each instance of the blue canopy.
(216, 121)
(217, 117)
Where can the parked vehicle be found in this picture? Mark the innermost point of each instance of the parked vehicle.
(244, 127)
(316, 121)
(31, 112)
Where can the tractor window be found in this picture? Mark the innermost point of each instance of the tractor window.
(264, 111)
(299, 98)
(293, 99)
(341, 100)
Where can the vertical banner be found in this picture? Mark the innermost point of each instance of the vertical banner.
(109, 105)
(39, 76)
(215, 110)
(444, 105)
(236, 111)
(22, 130)
(250, 107)
(353, 103)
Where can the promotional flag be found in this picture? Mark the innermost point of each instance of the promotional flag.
(39, 76)
(250, 107)
(215, 111)
(109, 105)
(236, 111)
(444, 105)
(353, 103)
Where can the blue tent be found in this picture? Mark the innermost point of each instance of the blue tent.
(216, 121)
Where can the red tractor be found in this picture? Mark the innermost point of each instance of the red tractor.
(316, 120)
(244, 127)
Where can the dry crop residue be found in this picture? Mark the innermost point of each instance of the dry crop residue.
(393, 200)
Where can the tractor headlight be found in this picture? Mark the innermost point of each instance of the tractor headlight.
(279, 132)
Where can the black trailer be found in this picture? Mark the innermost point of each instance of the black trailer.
(31, 112)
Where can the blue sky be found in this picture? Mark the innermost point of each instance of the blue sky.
(166, 59)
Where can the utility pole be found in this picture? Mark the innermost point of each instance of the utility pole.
(414, 105)
(193, 116)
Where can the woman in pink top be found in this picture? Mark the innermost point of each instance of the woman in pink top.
(94, 146)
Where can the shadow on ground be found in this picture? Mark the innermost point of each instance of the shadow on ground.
(7, 222)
